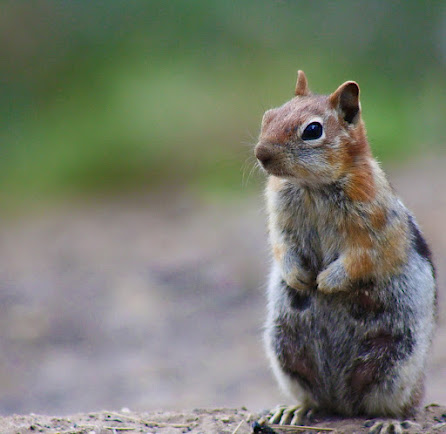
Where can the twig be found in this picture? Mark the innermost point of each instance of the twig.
(163, 425)
(295, 428)
(117, 428)
(238, 426)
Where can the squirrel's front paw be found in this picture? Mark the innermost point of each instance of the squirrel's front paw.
(299, 279)
(333, 278)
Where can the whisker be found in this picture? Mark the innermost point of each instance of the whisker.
(254, 168)
(251, 136)
(249, 163)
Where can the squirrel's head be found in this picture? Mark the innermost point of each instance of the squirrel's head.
(314, 139)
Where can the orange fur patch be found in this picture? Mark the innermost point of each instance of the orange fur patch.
(378, 218)
(358, 264)
(390, 252)
(361, 186)
(358, 236)
(394, 249)
(359, 147)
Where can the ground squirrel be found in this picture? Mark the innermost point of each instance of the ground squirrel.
(351, 295)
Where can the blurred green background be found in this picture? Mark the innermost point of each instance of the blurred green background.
(115, 96)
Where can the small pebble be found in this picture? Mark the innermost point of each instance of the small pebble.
(261, 429)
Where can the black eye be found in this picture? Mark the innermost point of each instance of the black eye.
(313, 131)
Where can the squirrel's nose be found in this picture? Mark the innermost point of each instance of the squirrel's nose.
(263, 154)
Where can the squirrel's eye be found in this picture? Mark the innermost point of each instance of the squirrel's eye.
(313, 131)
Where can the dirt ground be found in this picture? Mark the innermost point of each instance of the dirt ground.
(157, 302)
(432, 419)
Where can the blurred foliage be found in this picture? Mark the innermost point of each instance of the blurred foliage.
(117, 95)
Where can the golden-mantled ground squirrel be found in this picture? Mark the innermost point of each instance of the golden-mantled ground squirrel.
(352, 295)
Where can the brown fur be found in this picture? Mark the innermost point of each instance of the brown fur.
(357, 235)
(378, 218)
(359, 265)
(394, 249)
(360, 185)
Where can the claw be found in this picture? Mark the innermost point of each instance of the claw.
(277, 414)
(391, 426)
(288, 415)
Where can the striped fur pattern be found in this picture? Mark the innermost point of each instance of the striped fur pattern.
(352, 295)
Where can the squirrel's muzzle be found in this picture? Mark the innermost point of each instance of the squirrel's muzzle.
(264, 154)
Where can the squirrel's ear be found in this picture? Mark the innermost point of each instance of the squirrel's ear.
(301, 85)
(345, 99)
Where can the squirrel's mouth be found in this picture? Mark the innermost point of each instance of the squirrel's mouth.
(277, 170)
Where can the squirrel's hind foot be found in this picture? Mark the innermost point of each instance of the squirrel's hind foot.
(289, 415)
(391, 426)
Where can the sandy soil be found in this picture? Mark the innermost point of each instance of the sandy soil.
(156, 302)
(220, 421)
